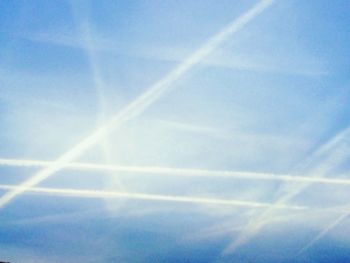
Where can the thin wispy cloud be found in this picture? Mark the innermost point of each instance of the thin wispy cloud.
(59, 217)
(238, 60)
(227, 228)
(197, 129)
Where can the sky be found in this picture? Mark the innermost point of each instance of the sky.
(174, 131)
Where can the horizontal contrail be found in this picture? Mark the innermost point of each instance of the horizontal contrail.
(164, 171)
(146, 197)
(141, 103)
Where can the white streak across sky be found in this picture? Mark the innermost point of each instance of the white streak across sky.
(141, 103)
(146, 197)
(102, 194)
(181, 172)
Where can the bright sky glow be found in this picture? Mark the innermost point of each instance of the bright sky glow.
(174, 131)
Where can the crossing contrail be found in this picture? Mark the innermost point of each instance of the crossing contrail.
(182, 172)
(255, 225)
(140, 104)
(146, 197)
(339, 219)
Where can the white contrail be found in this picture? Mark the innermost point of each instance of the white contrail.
(146, 197)
(338, 220)
(88, 44)
(324, 232)
(183, 172)
(141, 103)
(254, 227)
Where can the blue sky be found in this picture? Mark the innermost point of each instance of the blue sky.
(267, 99)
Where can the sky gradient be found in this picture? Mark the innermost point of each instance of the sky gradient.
(174, 131)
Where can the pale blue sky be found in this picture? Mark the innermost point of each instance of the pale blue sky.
(271, 98)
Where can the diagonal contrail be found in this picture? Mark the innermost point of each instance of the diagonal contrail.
(146, 197)
(334, 223)
(182, 172)
(140, 104)
(254, 227)
(328, 228)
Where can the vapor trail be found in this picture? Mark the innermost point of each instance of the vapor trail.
(324, 232)
(137, 106)
(183, 172)
(99, 83)
(339, 219)
(254, 226)
(146, 197)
